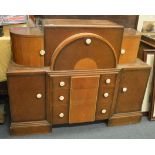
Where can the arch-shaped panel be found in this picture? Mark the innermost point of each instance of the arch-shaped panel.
(74, 53)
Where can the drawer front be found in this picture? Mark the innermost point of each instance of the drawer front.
(27, 97)
(131, 91)
(60, 114)
(61, 82)
(102, 111)
(60, 96)
(108, 80)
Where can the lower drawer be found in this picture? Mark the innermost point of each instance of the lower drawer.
(102, 112)
(60, 114)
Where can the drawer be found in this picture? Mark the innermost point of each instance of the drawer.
(60, 96)
(102, 112)
(62, 82)
(60, 114)
(108, 80)
(105, 95)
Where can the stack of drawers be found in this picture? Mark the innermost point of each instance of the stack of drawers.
(60, 99)
(105, 95)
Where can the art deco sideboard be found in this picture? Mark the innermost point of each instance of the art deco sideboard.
(75, 71)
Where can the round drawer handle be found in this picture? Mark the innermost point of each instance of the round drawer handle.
(103, 111)
(62, 83)
(123, 51)
(61, 115)
(88, 41)
(124, 89)
(106, 94)
(108, 81)
(39, 95)
(61, 98)
(42, 52)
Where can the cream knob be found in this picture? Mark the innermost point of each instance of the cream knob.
(42, 52)
(88, 41)
(62, 83)
(61, 115)
(39, 95)
(108, 81)
(106, 94)
(103, 111)
(123, 51)
(124, 89)
(61, 98)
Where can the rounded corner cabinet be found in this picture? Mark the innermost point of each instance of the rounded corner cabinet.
(74, 71)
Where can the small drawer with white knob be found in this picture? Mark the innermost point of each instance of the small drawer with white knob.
(60, 114)
(61, 82)
(108, 80)
(102, 112)
(60, 96)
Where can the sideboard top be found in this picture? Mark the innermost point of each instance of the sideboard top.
(27, 31)
(79, 23)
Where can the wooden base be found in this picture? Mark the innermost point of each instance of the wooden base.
(34, 127)
(125, 118)
(2, 117)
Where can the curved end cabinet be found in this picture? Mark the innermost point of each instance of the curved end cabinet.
(27, 46)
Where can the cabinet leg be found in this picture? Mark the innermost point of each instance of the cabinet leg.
(33, 127)
(125, 118)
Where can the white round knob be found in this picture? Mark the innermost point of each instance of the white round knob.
(106, 94)
(123, 51)
(125, 89)
(61, 115)
(61, 98)
(108, 81)
(62, 83)
(42, 52)
(39, 95)
(103, 111)
(88, 41)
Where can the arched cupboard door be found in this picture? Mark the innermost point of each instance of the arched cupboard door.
(84, 51)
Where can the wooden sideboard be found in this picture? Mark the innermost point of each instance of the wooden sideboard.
(81, 79)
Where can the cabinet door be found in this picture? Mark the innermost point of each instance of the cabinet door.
(83, 97)
(131, 90)
(27, 97)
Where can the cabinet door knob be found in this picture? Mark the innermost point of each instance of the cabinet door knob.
(108, 81)
(88, 41)
(42, 52)
(103, 111)
(61, 115)
(123, 51)
(62, 83)
(61, 98)
(106, 94)
(124, 89)
(39, 95)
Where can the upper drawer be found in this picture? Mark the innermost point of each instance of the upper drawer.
(60, 82)
(108, 80)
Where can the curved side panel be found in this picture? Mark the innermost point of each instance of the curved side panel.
(26, 49)
(74, 53)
